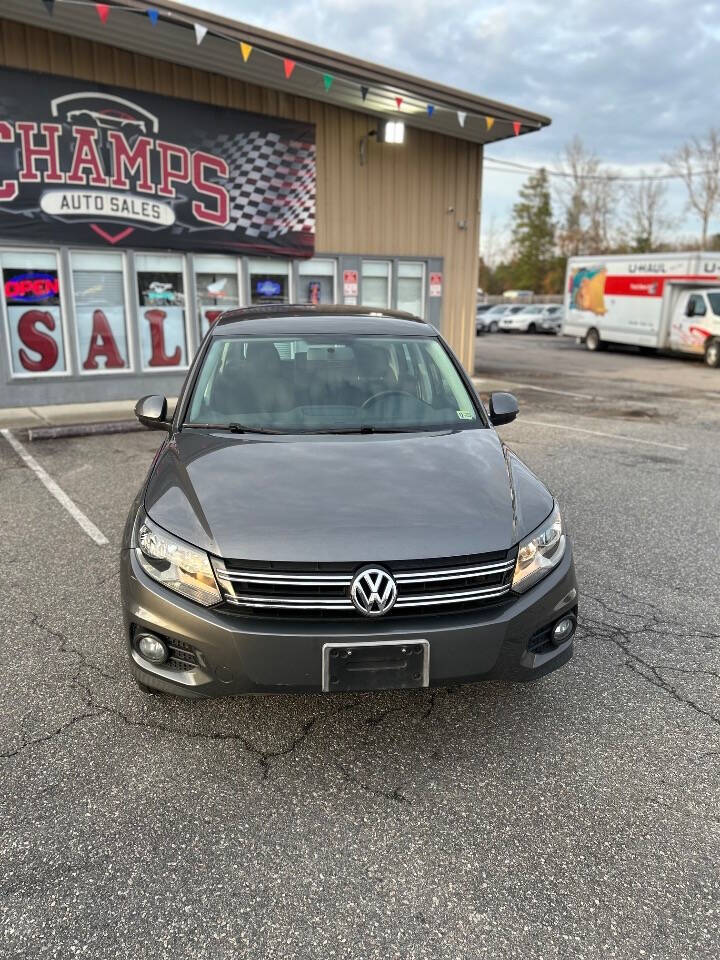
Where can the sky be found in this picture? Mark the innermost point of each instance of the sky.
(633, 78)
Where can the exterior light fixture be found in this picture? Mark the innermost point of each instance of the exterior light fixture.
(393, 131)
(388, 131)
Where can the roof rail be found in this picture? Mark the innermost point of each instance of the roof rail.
(311, 310)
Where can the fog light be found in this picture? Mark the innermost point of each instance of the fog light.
(152, 648)
(563, 630)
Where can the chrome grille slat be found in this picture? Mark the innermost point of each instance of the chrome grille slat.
(298, 592)
(424, 600)
(282, 579)
(298, 603)
(459, 573)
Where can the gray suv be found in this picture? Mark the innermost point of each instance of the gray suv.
(332, 510)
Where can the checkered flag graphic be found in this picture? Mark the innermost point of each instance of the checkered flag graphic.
(271, 183)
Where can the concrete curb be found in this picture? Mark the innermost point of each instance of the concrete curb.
(83, 430)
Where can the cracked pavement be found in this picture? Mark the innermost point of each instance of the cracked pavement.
(577, 817)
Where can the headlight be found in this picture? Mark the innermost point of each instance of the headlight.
(176, 564)
(539, 553)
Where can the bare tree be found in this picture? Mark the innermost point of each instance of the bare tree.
(602, 192)
(586, 192)
(646, 218)
(697, 163)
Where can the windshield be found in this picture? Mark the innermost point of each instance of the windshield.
(338, 384)
(714, 299)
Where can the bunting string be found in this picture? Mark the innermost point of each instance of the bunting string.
(329, 80)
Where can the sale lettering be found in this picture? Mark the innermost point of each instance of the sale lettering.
(159, 358)
(102, 344)
(34, 338)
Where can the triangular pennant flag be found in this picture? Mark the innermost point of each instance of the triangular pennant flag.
(399, 102)
(289, 67)
(49, 4)
(153, 14)
(462, 116)
(245, 50)
(364, 91)
(200, 32)
(430, 109)
(516, 127)
(327, 80)
(103, 11)
(489, 121)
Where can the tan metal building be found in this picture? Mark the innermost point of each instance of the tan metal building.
(383, 223)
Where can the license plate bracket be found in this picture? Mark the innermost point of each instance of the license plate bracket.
(381, 665)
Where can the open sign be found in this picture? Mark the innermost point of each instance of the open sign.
(31, 287)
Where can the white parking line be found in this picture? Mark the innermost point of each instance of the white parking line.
(531, 386)
(62, 498)
(599, 433)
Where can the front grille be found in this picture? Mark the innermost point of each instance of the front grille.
(323, 589)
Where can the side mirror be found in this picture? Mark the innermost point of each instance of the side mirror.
(152, 412)
(690, 309)
(503, 408)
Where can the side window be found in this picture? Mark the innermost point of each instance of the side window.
(696, 306)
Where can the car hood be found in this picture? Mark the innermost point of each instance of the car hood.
(355, 498)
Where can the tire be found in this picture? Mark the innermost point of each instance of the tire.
(493, 326)
(592, 340)
(531, 328)
(712, 353)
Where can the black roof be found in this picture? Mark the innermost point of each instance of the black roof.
(304, 310)
(293, 320)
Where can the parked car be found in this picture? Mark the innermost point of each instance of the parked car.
(491, 318)
(551, 319)
(534, 317)
(333, 510)
(480, 309)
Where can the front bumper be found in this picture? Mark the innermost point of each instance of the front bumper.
(249, 654)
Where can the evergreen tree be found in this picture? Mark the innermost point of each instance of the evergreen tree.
(533, 233)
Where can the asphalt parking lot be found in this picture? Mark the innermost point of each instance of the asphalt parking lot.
(576, 817)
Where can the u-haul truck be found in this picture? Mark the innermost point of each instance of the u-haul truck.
(664, 301)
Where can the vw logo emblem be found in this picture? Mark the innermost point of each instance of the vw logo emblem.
(373, 591)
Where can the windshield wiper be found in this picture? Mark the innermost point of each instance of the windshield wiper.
(232, 427)
(369, 428)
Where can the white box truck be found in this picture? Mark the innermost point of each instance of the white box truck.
(662, 301)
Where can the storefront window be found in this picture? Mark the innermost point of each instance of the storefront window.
(269, 281)
(161, 311)
(376, 283)
(31, 286)
(98, 281)
(217, 287)
(410, 287)
(316, 281)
